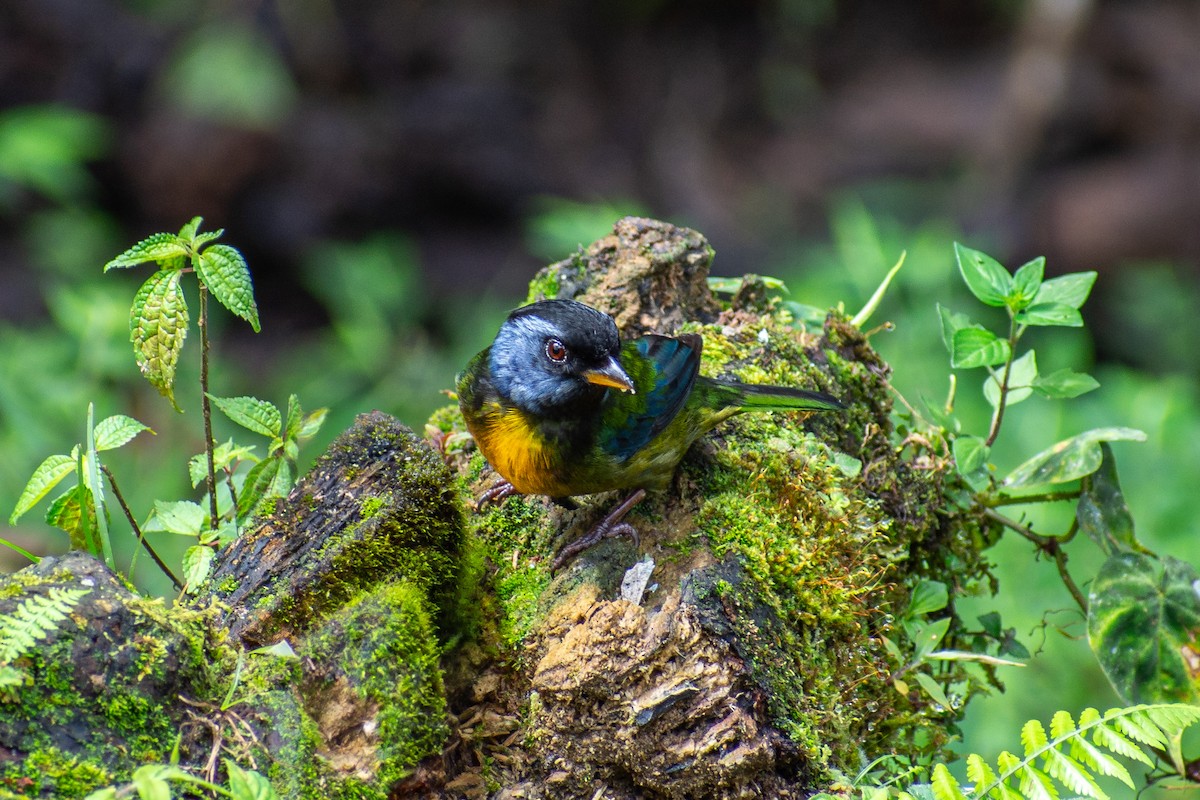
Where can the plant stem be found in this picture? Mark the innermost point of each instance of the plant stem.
(1024, 499)
(210, 477)
(112, 481)
(1051, 546)
(1013, 335)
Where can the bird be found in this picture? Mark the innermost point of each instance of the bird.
(560, 407)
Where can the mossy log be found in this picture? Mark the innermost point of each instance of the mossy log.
(734, 649)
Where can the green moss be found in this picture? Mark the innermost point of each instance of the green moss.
(53, 773)
(386, 645)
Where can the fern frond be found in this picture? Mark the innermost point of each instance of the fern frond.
(944, 786)
(33, 619)
(1067, 758)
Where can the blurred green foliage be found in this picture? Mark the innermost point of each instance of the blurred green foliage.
(389, 346)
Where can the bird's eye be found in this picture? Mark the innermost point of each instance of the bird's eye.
(556, 351)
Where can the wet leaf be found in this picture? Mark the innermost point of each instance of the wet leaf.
(1070, 459)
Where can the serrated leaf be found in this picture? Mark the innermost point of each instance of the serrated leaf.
(74, 513)
(1102, 512)
(988, 281)
(1069, 459)
(48, 475)
(1064, 384)
(158, 247)
(117, 430)
(295, 418)
(1051, 314)
(224, 272)
(1144, 628)
(188, 232)
(201, 239)
(1071, 290)
(158, 325)
(248, 785)
(1026, 282)
(1061, 724)
(182, 517)
(197, 562)
(224, 455)
(256, 487)
(1022, 374)
(251, 413)
(927, 596)
(977, 347)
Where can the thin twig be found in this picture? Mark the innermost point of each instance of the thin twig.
(1024, 499)
(112, 481)
(210, 477)
(1013, 336)
(1051, 546)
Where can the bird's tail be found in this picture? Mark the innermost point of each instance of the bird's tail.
(753, 397)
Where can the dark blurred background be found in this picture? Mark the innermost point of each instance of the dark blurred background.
(395, 171)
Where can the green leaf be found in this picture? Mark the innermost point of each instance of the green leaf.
(929, 636)
(1069, 459)
(1144, 628)
(66, 513)
(1071, 290)
(158, 324)
(160, 247)
(1102, 512)
(1022, 374)
(952, 323)
(48, 475)
(197, 562)
(311, 424)
(984, 276)
(257, 486)
(933, 689)
(1046, 314)
(117, 430)
(224, 455)
(1064, 383)
(295, 418)
(1026, 282)
(943, 784)
(248, 785)
(927, 596)
(251, 413)
(226, 275)
(188, 232)
(970, 454)
(107, 793)
(864, 314)
(977, 347)
(182, 517)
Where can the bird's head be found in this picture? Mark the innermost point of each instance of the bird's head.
(551, 355)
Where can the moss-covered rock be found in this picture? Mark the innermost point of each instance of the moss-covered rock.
(784, 553)
(101, 691)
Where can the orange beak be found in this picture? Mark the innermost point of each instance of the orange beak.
(610, 375)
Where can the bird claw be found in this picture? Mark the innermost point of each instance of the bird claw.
(610, 526)
(496, 493)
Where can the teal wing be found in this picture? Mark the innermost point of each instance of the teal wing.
(663, 370)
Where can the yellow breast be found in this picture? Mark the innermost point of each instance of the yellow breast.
(511, 444)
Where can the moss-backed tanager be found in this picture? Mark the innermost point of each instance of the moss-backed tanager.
(559, 407)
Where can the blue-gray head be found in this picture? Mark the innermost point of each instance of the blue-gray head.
(554, 354)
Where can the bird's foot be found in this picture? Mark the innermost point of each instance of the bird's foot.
(496, 493)
(612, 525)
